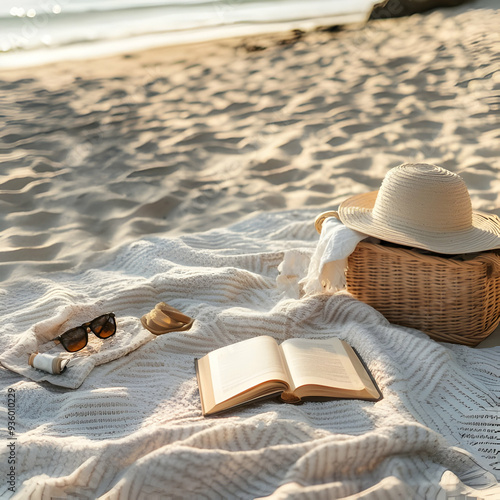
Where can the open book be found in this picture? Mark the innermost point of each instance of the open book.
(296, 369)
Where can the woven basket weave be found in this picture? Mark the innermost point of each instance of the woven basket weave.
(451, 300)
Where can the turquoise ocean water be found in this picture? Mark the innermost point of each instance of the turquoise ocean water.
(40, 31)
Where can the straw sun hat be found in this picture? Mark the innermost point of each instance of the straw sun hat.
(422, 206)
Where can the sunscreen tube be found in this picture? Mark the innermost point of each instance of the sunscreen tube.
(48, 363)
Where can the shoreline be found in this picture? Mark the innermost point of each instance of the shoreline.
(245, 43)
(226, 24)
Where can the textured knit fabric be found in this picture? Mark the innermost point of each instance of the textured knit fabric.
(134, 428)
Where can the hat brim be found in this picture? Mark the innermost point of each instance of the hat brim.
(484, 234)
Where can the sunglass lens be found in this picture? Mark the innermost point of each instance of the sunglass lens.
(75, 339)
(104, 326)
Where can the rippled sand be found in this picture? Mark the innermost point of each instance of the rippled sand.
(184, 139)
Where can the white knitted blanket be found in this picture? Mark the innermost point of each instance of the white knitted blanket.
(133, 429)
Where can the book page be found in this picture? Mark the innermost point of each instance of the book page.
(241, 366)
(320, 362)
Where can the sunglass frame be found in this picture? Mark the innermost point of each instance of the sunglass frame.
(86, 327)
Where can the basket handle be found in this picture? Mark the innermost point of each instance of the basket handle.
(493, 262)
(318, 223)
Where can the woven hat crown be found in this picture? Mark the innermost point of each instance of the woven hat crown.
(422, 206)
(423, 197)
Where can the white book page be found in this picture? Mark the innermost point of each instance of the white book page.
(320, 362)
(241, 366)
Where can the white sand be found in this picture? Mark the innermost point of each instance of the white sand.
(188, 138)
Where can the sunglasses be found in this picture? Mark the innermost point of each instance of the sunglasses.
(77, 338)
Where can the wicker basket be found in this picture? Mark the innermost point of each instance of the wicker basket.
(451, 300)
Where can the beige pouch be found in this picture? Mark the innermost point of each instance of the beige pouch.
(164, 318)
